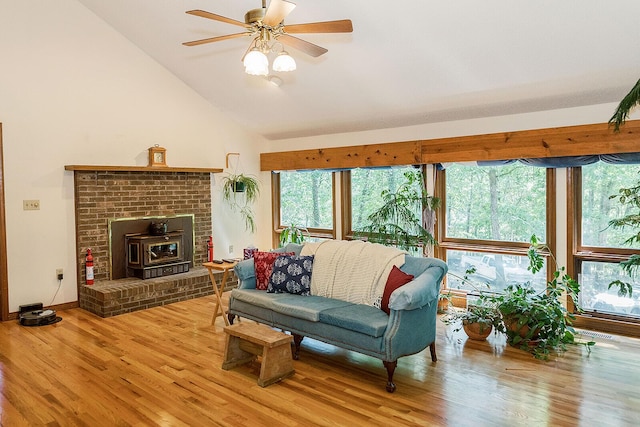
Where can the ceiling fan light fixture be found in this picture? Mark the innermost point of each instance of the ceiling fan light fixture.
(284, 62)
(256, 63)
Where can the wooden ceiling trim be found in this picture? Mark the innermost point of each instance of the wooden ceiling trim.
(389, 154)
(551, 142)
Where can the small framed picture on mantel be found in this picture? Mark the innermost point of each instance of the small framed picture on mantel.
(157, 156)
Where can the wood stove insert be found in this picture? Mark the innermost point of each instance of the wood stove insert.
(150, 256)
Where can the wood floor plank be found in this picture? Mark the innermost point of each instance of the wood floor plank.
(162, 366)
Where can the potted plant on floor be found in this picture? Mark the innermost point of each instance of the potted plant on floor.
(241, 191)
(444, 300)
(477, 321)
(537, 321)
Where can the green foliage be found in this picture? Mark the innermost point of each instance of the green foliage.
(484, 313)
(398, 222)
(240, 200)
(628, 103)
(293, 234)
(630, 199)
(601, 180)
(306, 199)
(533, 320)
(485, 202)
(538, 321)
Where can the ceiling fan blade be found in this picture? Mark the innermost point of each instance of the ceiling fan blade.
(304, 46)
(216, 39)
(209, 15)
(277, 11)
(341, 26)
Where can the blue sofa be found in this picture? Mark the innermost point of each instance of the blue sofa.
(408, 329)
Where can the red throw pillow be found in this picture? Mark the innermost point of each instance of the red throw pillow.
(263, 262)
(396, 279)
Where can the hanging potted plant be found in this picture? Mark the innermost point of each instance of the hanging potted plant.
(241, 191)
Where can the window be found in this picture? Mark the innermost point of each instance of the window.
(305, 199)
(601, 247)
(366, 188)
(490, 214)
(502, 203)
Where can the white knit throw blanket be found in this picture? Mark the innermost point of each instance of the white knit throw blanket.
(351, 270)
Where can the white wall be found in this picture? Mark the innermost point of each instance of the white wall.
(538, 120)
(73, 91)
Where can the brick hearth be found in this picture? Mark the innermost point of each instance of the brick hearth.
(104, 195)
(113, 297)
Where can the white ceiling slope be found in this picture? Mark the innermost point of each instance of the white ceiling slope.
(406, 62)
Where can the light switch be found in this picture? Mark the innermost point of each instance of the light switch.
(31, 205)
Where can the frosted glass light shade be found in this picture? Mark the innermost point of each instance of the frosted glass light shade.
(256, 63)
(284, 62)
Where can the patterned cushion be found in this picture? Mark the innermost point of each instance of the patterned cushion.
(291, 274)
(396, 279)
(263, 262)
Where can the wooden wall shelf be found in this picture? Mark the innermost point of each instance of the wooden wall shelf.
(167, 169)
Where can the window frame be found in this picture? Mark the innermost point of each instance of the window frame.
(346, 198)
(446, 243)
(577, 253)
(320, 233)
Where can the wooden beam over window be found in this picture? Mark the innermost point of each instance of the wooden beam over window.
(538, 143)
(390, 154)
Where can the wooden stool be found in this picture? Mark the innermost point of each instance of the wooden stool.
(246, 341)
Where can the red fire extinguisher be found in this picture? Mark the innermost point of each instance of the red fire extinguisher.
(210, 249)
(88, 261)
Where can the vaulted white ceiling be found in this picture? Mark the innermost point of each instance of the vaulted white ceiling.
(406, 62)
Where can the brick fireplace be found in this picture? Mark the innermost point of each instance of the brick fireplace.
(107, 194)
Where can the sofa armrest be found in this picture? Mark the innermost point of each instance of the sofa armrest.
(246, 272)
(422, 290)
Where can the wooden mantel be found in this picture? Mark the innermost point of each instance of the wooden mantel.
(167, 169)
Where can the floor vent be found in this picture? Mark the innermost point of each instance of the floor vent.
(593, 334)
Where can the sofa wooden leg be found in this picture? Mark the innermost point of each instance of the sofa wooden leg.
(297, 340)
(231, 318)
(391, 367)
(432, 349)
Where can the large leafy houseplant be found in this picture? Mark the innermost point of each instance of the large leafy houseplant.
(532, 320)
(399, 221)
(241, 191)
(537, 321)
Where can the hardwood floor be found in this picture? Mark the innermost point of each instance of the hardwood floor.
(162, 366)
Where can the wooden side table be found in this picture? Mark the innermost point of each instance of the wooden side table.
(246, 341)
(224, 267)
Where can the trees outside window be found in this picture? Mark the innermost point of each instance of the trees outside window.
(490, 214)
(305, 200)
(600, 246)
(366, 190)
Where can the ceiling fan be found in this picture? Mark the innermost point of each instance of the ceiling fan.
(266, 26)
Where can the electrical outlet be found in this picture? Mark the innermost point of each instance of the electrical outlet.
(31, 205)
(230, 249)
(60, 273)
